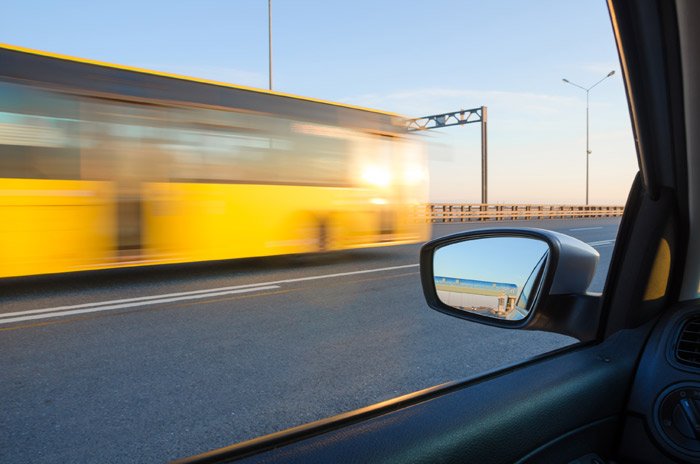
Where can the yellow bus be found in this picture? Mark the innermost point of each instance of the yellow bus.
(105, 166)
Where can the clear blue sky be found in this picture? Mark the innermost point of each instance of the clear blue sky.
(411, 57)
(496, 259)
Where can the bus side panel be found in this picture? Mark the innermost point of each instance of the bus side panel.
(51, 226)
(413, 224)
(193, 222)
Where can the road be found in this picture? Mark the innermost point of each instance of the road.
(148, 365)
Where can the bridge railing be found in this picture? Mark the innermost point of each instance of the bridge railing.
(454, 212)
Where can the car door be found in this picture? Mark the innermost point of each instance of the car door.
(571, 405)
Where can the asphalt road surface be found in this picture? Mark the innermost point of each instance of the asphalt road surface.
(149, 365)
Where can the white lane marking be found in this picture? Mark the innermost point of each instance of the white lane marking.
(131, 305)
(601, 243)
(341, 274)
(585, 228)
(127, 300)
(145, 299)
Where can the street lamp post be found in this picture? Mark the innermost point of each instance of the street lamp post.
(269, 43)
(588, 91)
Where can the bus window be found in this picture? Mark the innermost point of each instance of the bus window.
(321, 155)
(123, 142)
(37, 141)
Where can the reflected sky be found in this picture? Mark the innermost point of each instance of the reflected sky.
(496, 259)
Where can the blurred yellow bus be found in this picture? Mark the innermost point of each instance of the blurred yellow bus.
(106, 166)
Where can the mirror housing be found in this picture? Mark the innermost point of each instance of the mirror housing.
(559, 300)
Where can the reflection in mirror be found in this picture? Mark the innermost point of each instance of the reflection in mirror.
(492, 276)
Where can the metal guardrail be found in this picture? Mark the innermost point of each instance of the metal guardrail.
(452, 212)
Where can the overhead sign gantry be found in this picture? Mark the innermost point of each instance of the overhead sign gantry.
(458, 118)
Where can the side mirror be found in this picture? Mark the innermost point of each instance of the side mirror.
(518, 278)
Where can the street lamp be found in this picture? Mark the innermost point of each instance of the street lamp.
(269, 43)
(587, 90)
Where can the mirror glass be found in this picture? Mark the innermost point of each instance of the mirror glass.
(492, 276)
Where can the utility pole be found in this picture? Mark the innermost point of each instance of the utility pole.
(458, 118)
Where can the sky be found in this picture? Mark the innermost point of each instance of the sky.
(494, 259)
(411, 57)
